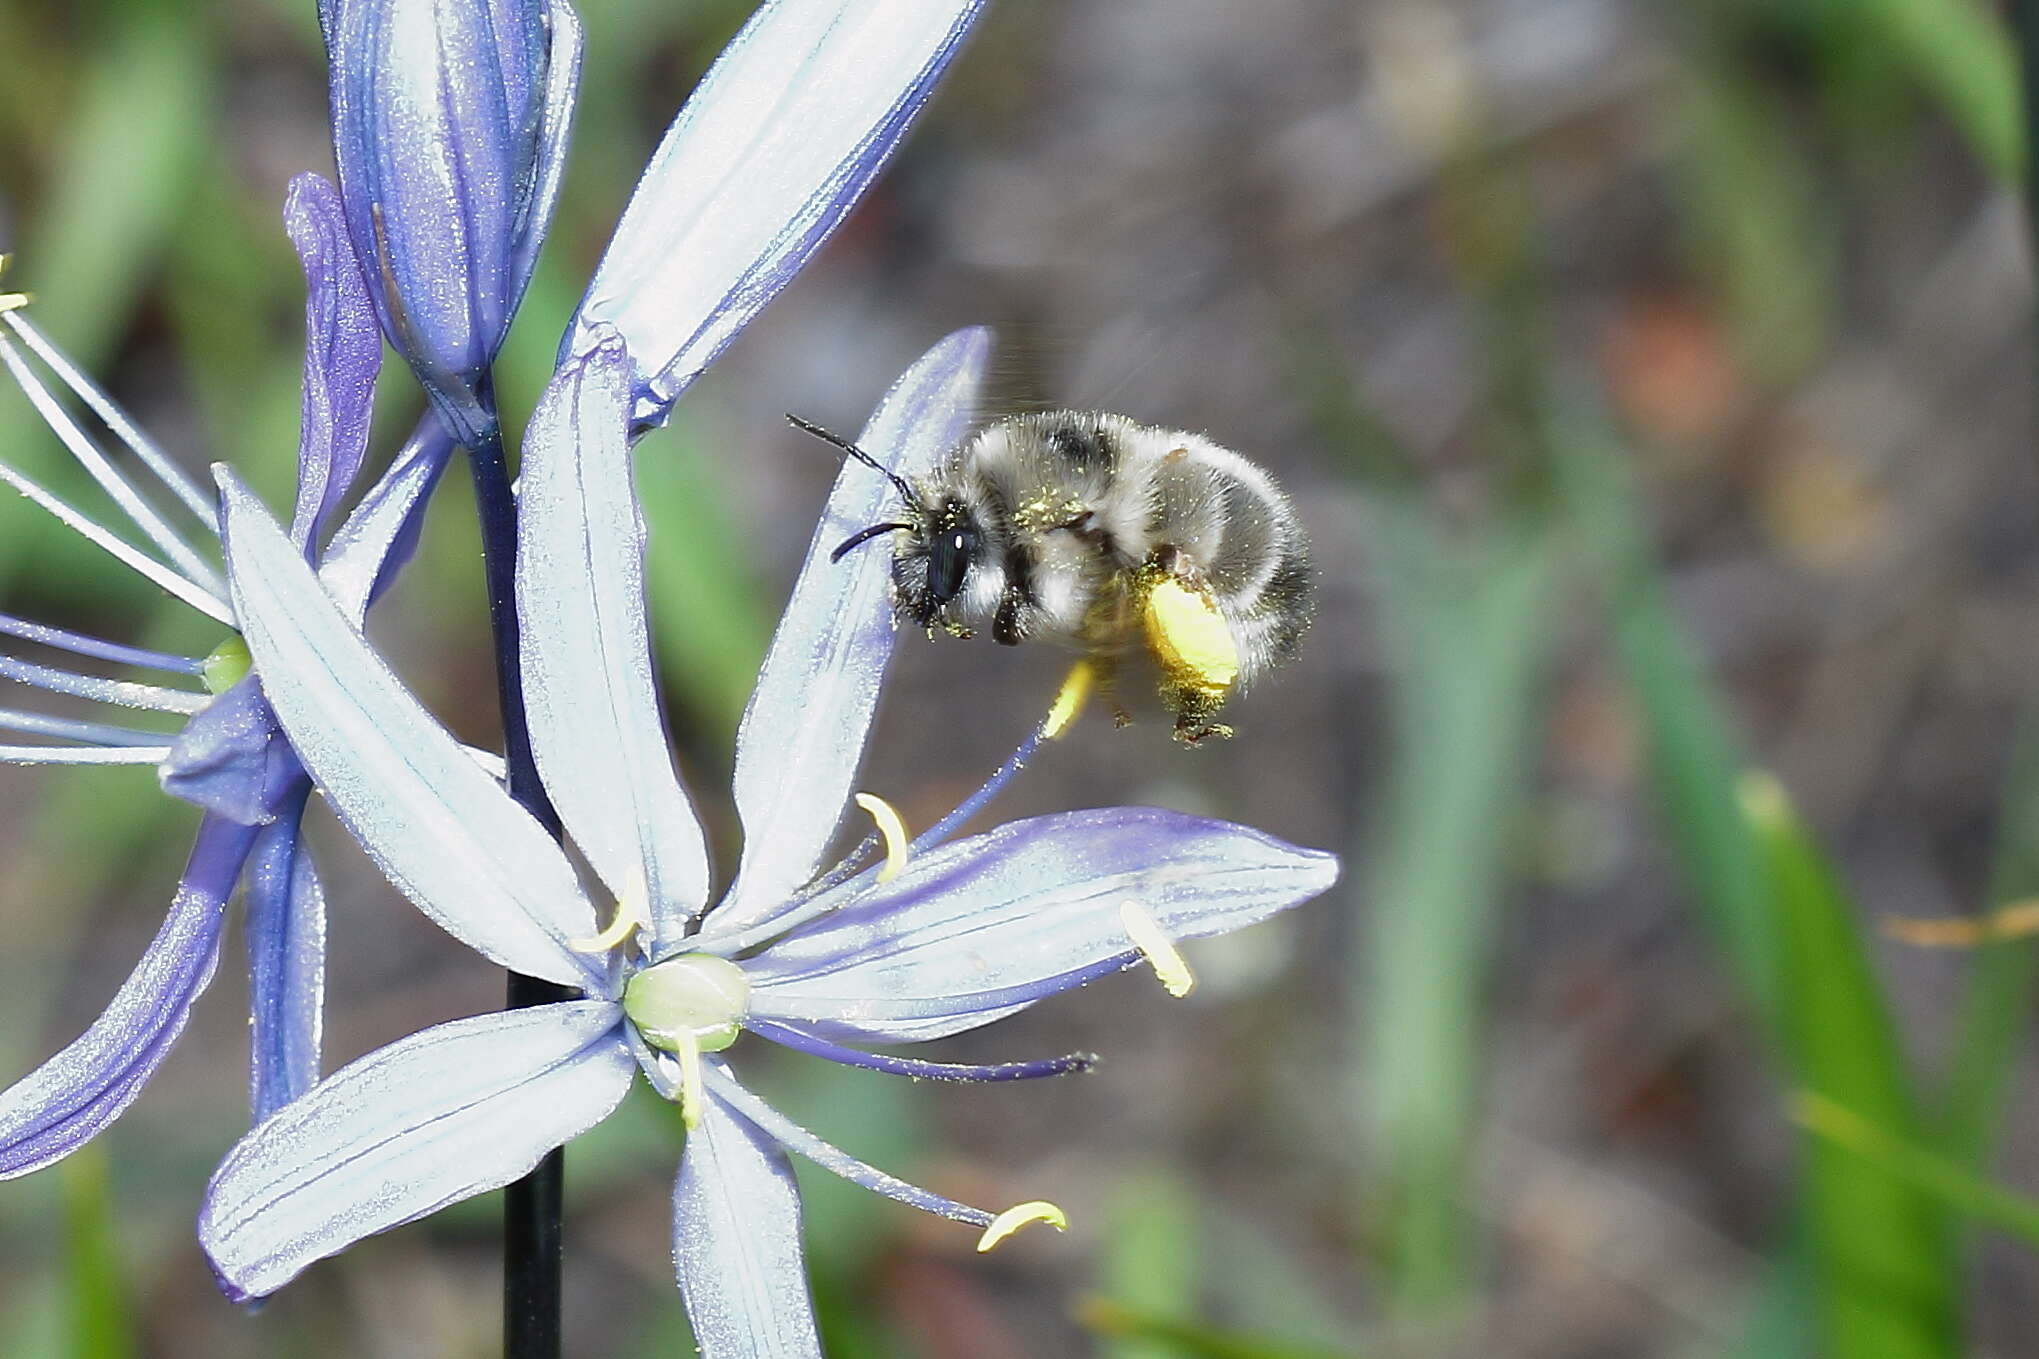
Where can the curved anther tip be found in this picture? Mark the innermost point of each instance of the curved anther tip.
(1018, 1216)
(1157, 948)
(628, 920)
(892, 826)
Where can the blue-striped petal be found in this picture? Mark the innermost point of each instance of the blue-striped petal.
(803, 733)
(342, 354)
(440, 828)
(430, 1120)
(736, 1243)
(990, 924)
(589, 686)
(777, 144)
(69, 1099)
(285, 927)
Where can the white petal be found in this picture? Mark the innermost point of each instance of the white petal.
(772, 150)
(380, 532)
(736, 1243)
(986, 925)
(588, 681)
(438, 1117)
(439, 827)
(803, 734)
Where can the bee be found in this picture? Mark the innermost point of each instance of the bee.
(1097, 532)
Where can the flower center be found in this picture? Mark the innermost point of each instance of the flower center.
(694, 1002)
(227, 666)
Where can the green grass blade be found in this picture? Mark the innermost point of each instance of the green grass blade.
(1881, 1249)
(1924, 1170)
(1754, 216)
(1469, 627)
(1995, 1013)
(1694, 755)
(1153, 1258)
(95, 1284)
(122, 175)
(1960, 51)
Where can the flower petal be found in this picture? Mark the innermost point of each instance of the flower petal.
(342, 354)
(285, 925)
(382, 532)
(442, 830)
(436, 108)
(803, 733)
(554, 112)
(231, 758)
(588, 682)
(66, 1101)
(736, 1243)
(438, 1117)
(992, 923)
(777, 143)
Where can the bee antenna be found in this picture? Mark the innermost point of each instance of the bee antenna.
(904, 487)
(859, 538)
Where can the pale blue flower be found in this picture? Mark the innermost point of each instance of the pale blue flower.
(226, 754)
(960, 934)
(450, 122)
(776, 145)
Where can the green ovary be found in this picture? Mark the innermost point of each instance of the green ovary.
(695, 1000)
(227, 666)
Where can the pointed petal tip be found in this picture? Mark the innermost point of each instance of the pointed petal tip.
(973, 343)
(228, 1289)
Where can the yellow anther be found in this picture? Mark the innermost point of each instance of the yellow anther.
(893, 827)
(693, 1098)
(628, 919)
(1018, 1216)
(1069, 702)
(1158, 949)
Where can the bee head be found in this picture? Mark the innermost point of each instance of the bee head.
(933, 562)
(954, 544)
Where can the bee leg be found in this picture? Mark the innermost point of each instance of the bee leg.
(1170, 562)
(1194, 705)
(1005, 624)
(1104, 671)
(1194, 646)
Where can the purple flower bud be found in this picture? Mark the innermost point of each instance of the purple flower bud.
(449, 128)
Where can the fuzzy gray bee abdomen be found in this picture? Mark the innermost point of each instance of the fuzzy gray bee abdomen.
(1242, 542)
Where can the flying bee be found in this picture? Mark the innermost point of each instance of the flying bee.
(1097, 532)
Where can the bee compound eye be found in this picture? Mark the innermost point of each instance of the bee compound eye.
(949, 562)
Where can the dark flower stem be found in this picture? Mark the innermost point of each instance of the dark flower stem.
(532, 1246)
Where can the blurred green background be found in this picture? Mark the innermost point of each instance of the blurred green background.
(1655, 384)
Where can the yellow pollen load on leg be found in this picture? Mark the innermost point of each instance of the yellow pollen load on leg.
(1158, 949)
(1018, 1216)
(1189, 636)
(898, 844)
(1069, 702)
